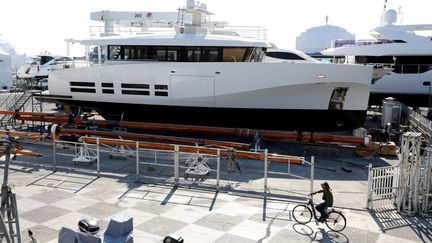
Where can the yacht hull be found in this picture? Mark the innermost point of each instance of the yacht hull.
(407, 88)
(283, 96)
(267, 119)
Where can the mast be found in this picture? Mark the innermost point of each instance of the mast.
(383, 13)
(199, 13)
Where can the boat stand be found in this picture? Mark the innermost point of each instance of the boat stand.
(84, 155)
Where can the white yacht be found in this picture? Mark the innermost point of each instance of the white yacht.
(193, 77)
(400, 47)
(40, 66)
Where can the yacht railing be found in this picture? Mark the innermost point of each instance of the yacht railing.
(99, 31)
(252, 32)
(418, 121)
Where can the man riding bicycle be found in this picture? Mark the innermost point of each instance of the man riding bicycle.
(328, 201)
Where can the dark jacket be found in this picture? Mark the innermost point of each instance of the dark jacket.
(328, 198)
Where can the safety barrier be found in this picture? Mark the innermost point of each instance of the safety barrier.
(285, 171)
(165, 165)
(383, 185)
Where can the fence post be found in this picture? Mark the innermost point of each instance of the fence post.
(98, 156)
(265, 171)
(137, 162)
(312, 173)
(54, 153)
(176, 164)
(218, 169)
(369, 192)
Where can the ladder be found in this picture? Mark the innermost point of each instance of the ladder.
(9, 223)
(19, 101)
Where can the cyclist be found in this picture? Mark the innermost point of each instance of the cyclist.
(328, 201)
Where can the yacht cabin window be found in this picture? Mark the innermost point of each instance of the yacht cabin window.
(400, 64)
(284, 55)
(45, 59)
(186, 54)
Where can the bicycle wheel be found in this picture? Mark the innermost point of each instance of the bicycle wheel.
(336, 221)
(302, 214)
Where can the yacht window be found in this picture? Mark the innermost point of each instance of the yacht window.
(173, 53)
(159, 53)
(135, 86)
(193, 54)
(234, 54)
(108, 85)
(45, 59)
(115, 52)
(258, 54)
(412, 64)
(128, 53)
(161, 93)
(425, 68)
(337, 99)
(108, 91)
(85, 84)
(83, 90)
(284, 55)
(374, 59)
(186, 54)
(161, 90)
(64, 59)
(210, 54)
(249, 56)
(136, 92)
(161, 86)
(142, 52)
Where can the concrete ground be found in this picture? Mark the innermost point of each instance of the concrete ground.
(238, 212)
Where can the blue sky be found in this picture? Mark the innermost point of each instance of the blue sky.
(32, 26)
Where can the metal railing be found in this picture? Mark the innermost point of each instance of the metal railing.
(177, 166)
(252, 32)
(418, 121)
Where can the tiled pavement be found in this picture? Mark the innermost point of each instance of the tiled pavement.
(47, 201)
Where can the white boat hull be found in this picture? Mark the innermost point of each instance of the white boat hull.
(260, 91)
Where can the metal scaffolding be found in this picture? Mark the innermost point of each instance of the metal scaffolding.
(426, 184)
(408, 194)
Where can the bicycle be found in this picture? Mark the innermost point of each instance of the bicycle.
(302, 214)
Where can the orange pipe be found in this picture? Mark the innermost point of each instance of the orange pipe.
(160, 138)
(25, 152)
(239, 132)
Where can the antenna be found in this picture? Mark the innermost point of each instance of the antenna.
(383, 13)
(401, 14)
